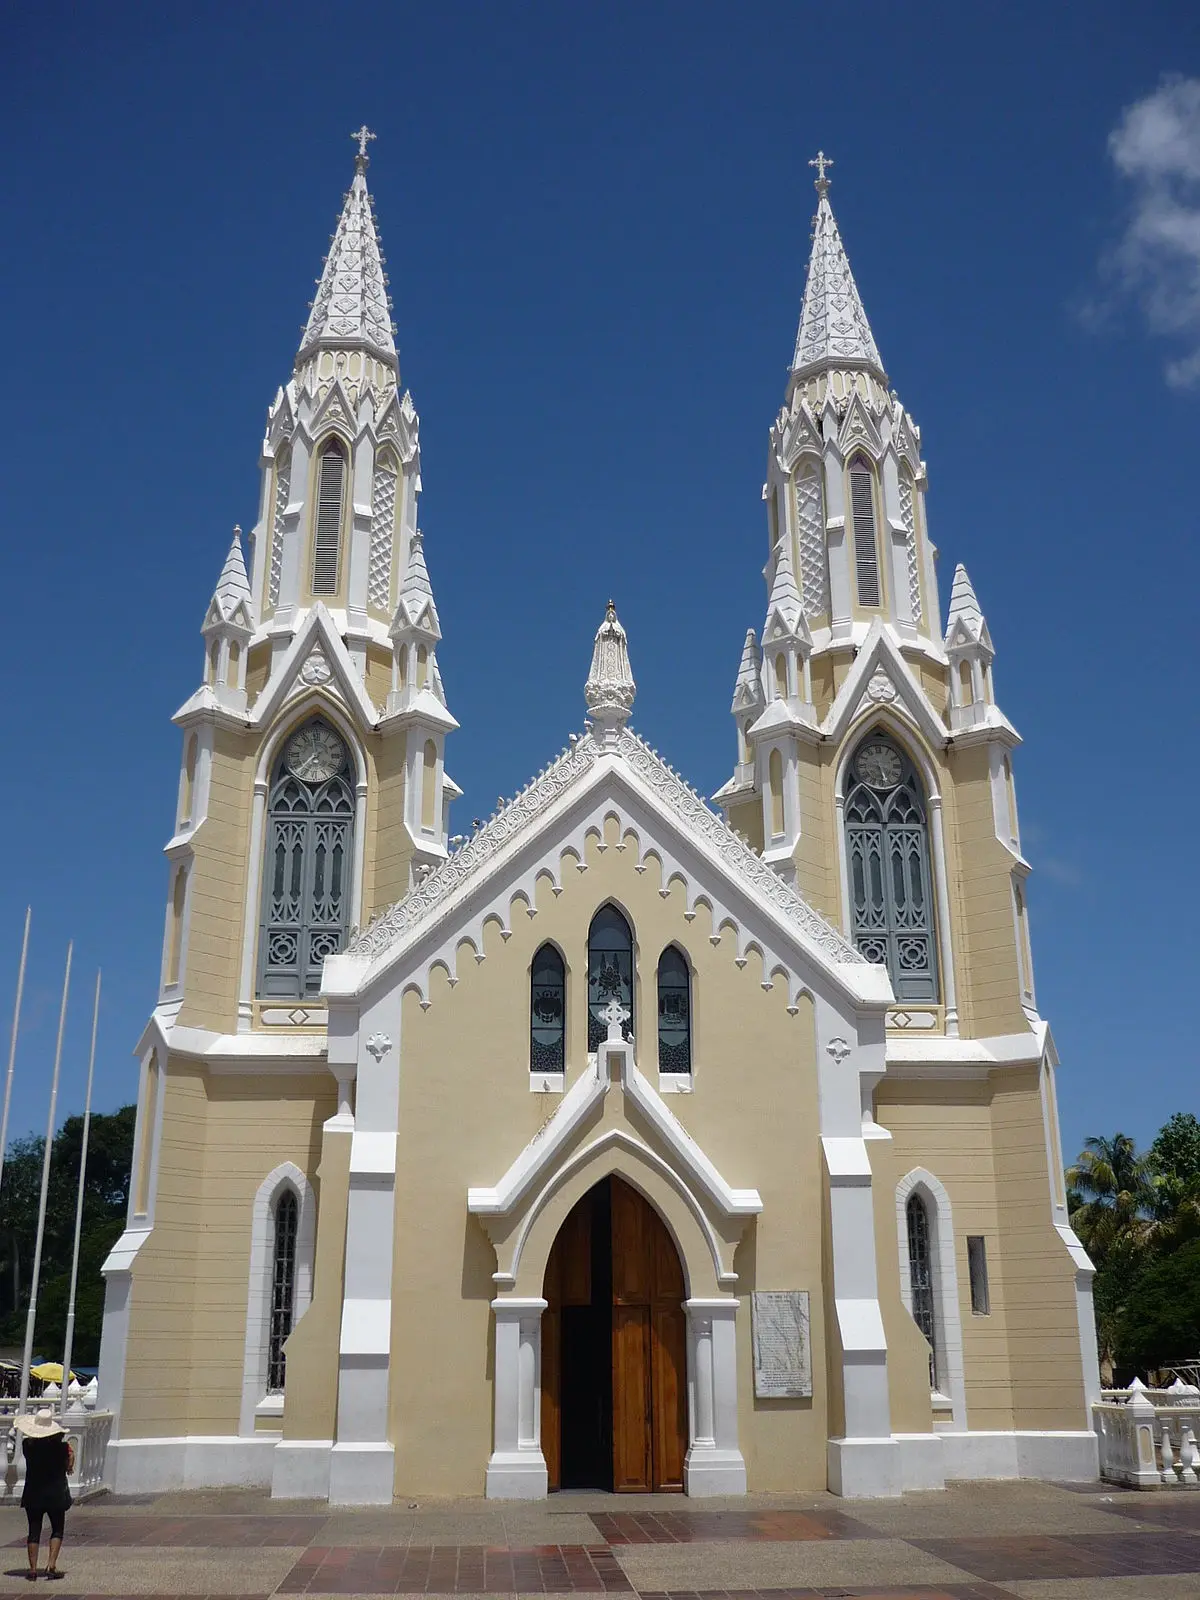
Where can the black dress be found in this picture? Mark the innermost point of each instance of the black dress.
(46, 1487)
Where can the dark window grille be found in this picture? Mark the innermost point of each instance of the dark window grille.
(283, 1287)
(327, 534)
(674, 1012)
(306, 878)
(887, 855)
(920, 1273)
(610, 971)
(547, 1011)
(981, 1299)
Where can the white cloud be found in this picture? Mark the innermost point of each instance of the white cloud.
(1156, 147)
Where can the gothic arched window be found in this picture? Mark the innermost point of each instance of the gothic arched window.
(610, 971)
(327, 523)
(674, 1012)
(306, 874)
(866, 552)
(887, 859)
(920, 1275)
(547, 1011)
(283, 1286)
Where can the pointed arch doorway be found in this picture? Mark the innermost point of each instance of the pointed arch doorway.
(614, 1340)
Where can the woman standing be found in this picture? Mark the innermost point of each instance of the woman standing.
(49, 1459)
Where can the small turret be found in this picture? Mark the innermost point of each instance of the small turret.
(969, 649)
(228, 628)
(786, 641)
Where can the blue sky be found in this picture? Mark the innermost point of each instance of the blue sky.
(596, 221)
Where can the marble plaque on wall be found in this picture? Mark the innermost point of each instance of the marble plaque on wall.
(782, 1352)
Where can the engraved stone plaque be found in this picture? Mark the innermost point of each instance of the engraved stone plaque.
(782, 1353)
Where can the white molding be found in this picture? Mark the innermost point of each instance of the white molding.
(516, 1469)
(258, 1298)
(196, 1461)
(300, 1469)
(949, 1365)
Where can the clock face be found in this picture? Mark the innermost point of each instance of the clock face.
(315, 755)
(878, 765)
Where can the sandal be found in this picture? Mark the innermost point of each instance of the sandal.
(53, 1572)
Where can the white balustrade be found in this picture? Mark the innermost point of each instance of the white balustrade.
(86, 1428)
(1148, 1436)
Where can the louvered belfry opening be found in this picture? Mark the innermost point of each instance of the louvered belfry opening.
(866, 554)
(327, 532)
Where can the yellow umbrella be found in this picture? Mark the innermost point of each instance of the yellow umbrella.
(50, 1372)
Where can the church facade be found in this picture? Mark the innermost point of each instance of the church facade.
(631, 1142)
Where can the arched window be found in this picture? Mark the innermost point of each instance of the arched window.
(781, 676)
(178, 906)
(610, 971)
(674, 1012)
(775, 784)
(887, 857)
(547, 1011)
(866, 553)
(428, 786)
(306, 876)
(920, 1274)
(283, 1286)
(187, 798)
(327, 525)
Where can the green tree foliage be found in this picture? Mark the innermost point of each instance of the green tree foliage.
(1137, 1214)
(106, 1195)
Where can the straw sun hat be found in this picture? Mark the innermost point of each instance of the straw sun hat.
(41, 1425)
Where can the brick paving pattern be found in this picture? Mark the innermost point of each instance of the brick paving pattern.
(1093, 1555)
(455, 1569)
(686, 1527)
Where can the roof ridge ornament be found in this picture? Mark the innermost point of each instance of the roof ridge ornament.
(363, 160)
(610, 688)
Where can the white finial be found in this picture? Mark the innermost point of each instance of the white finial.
(364, 134)
(613, 1016)
(821, 185)
(834, 331)
(610, 687)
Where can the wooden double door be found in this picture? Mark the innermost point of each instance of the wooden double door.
(614, 1348)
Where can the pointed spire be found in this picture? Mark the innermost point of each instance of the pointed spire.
(415, 607)
(747, 691)
(964, 609)
(233, 586)
(610, 687)
(785, 612)
(833, 331)
(352, 309)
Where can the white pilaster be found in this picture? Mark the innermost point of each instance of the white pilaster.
(714, 1465)
(517, 1467)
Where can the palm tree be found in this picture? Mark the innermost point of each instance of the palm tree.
(1113, 1195)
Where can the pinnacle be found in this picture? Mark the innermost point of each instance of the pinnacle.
(416, 607)
(784, 600)
(233, 586)
(747, 690)
(834, 330)
(964, 606)
(351, 305)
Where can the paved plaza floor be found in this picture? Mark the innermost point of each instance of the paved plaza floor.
(1006, 1541)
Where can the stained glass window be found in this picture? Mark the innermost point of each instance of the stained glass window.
(283, 1287)
(547, 1011)
(306, 873)
(610, 971)
(887, 858)
(920, 1273)
(674, 1012)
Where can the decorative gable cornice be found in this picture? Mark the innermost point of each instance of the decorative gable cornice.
(316, 658)
(795, 431)
(859, 430)
(880, 676)
(426, 904)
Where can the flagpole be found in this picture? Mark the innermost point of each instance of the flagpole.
(12, 1043)
(31, 1319)
(83, 1155)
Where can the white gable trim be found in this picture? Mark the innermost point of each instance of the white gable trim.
(880, 651)
(316, 628)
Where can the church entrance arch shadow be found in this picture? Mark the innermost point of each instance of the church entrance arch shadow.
(614, 1342)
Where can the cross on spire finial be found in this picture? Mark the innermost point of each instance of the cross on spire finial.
(822, 182)
(363, 134)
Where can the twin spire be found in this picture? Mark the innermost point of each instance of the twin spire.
(834, 331)
(352, 307)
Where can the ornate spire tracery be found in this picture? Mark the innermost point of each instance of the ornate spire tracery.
(352, 308)
(834, 331)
